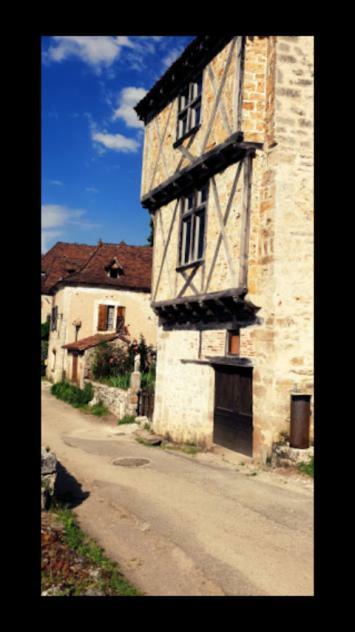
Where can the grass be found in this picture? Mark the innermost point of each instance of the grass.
(75, 396)
(307, 468)
(79, 398)
(187, 448)
(98, 409)
(127, 419)
(112, 580)
(118, 381)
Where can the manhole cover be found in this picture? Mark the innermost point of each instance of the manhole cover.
(130, 461)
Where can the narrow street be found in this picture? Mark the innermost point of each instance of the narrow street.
(180, 524)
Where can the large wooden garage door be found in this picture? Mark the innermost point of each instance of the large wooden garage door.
(233, 412)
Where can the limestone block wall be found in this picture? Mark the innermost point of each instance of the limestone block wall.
(46, 307)
(119, 401)
(57, 338)
(184, 392)
(281, 268)
(83, 304)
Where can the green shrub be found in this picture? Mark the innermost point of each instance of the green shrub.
(307, 468)
(127, 419)
(72, 394)
(45, 330)
(110, 360)
(99, 409)
(148, 379)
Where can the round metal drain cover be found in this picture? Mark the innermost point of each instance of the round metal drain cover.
(130, 461)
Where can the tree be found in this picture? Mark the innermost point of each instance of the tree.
(150, 239)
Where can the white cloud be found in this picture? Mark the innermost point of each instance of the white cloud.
(172, 56)
(129, 97)
(56, 219)
(95, 50)
(100, 51)
(57, 183)
(91, 189)
(116, 142)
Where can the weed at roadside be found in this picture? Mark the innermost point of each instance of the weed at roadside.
(111, 581)
(127, 419)
(307, 468)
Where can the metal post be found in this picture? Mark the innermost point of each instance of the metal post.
(300, 420)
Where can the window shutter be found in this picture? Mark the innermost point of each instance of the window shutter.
(102, 324)
(120, 318)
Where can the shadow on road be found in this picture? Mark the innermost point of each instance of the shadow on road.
(67, 489)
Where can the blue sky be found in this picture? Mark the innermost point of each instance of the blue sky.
(91, 136)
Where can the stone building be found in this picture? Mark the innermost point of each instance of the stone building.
(105, 298)
(228, 180)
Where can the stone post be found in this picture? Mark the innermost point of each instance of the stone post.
(135, 384)
(48, 476)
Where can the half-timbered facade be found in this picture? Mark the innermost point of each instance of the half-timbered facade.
(227, 177)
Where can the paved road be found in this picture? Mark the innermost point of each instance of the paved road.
(184, 525)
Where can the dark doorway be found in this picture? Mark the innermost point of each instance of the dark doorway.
(74, 376)
(233, 409)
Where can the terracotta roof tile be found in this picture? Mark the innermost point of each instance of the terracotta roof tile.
(136, 262)
(60, 260)
(90, 266)
(92, 341)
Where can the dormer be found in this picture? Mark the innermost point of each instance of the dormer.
(114, 269)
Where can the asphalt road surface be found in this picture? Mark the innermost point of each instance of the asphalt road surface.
(181, 524)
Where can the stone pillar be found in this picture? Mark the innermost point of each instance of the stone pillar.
(48, 476)
(135, 384)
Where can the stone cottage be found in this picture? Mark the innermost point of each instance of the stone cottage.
(106, 298)
(228, 179)
(60, 260)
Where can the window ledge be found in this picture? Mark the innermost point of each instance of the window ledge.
(180, 140)
(192, 264)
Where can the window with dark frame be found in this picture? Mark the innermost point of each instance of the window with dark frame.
(189, 107)
(120, 318)
(192, 231)
(233, 342)
(54, 318)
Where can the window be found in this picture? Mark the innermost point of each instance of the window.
(54, 357)
(120, 318)
(233, 342)
(106, 318)
(54, 318)
(110, 316)
(189, 107)
(193, 219)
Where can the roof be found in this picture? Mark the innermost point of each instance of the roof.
(136, 263)
(61, 258)
(93, 341)
(195, 56)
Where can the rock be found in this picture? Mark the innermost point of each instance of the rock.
(94, 593)
(48, 476)
(284, 456)
(48, 462)
(149, 438)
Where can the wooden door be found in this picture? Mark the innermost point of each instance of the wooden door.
(233, 416)
(74, 376)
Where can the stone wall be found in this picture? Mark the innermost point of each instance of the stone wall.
(119, 401)
(184, 391)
